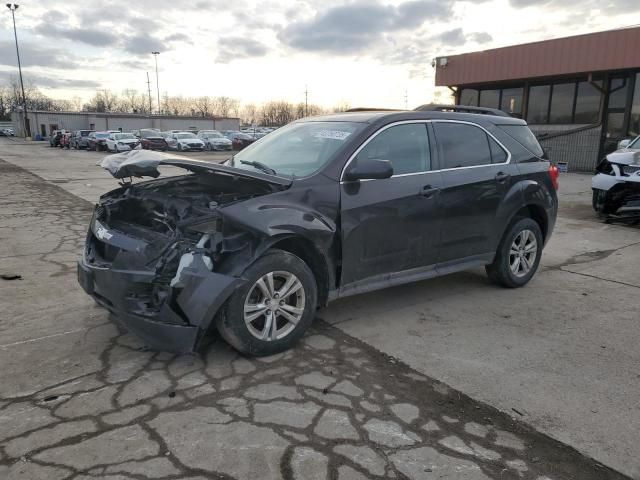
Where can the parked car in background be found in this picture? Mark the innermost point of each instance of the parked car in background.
(97, 141)
(80, 138)
(325, 208)
(629, 143)
(214, 140)
(239, 140)
(151, 139)
(8, 131)
(56, 136)
(184, 141)
(65, 140)
(122, 142)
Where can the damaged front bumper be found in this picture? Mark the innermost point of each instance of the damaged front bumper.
(165, 317)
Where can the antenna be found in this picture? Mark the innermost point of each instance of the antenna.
(306, 101)
(149, 89)
(406, 99)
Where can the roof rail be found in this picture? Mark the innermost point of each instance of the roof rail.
(366, 109)
(461, 109)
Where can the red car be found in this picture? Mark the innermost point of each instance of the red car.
(65, 140)
(153, 140)
(97, 141)
(240, 140)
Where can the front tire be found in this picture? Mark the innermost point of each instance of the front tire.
(273, 309)
(518, 255)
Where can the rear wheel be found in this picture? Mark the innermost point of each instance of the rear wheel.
(273, 309)
(518, 255)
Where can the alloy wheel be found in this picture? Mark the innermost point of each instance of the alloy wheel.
(523, 252)
(274, 306)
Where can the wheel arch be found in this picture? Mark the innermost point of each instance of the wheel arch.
(315, 259)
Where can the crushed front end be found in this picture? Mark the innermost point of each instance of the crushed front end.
(151, 255)
(616, 186)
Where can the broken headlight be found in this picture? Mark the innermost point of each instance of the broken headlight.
(629, 169)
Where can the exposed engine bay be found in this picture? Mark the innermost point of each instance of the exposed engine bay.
(616, 187)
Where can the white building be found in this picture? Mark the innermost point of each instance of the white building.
(43, 122)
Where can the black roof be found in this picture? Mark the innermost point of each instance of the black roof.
(400, 115)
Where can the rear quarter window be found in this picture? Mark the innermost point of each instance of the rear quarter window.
(525, 137)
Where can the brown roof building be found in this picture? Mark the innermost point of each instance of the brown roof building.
(580, 95)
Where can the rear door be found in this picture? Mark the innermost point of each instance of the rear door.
(476, 175)
(392, 224)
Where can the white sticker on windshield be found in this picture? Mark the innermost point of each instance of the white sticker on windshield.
(332, 134)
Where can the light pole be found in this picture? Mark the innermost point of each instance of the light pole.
(155, 55)
(13, 7)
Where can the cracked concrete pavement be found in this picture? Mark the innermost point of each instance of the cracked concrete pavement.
(361, 399)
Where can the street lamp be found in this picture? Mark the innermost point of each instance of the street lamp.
(155, 56)
(13, 7)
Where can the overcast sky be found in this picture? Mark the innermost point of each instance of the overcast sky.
(366, 53)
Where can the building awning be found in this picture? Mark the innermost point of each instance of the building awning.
(577, 55)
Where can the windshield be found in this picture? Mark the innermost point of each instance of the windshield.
(212, 135)
(124, 136)
(184, 135)
(635, 144)
(298, 149)
(102, 135)
(149, 134)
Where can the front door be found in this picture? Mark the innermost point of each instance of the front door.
(475, 176)
(391, 225)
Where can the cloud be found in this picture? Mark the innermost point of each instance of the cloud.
(94, 37)
(32, 55)
(143, 44)
(353, 28)
(480, 37)
(453, 37)
(47, 81)
(231, 48)
(177, 37)
(605, 5)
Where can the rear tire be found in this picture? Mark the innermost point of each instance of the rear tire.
(272, 330)
(518, 255)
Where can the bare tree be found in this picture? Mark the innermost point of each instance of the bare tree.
(249, 113)
(5, 103)
(342, 106)
(223, 106)
(204, 105)
(134, 101)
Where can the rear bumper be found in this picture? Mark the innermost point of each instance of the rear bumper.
(177, 324)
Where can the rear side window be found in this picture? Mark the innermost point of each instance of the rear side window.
(524, 137)
(462, 145)
(498, 155)
(405, 146)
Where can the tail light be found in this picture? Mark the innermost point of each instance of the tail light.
(554, 173)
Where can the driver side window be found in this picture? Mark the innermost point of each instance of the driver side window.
(405, 146)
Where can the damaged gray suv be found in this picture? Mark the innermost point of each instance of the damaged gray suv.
(320, 209)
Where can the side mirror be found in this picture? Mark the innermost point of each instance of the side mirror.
(624, 143)
(369, 168)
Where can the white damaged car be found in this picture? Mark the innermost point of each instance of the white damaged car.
(122, 142)
(616, 184)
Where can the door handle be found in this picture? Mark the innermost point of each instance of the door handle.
(502, 177)
(428, 191)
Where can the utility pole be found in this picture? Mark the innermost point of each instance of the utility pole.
(13, 7)
(149, 89)
(306, 101)
(406, 99)
(155, 55)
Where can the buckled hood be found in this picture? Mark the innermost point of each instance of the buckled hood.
(625, 157)
(145, 163)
